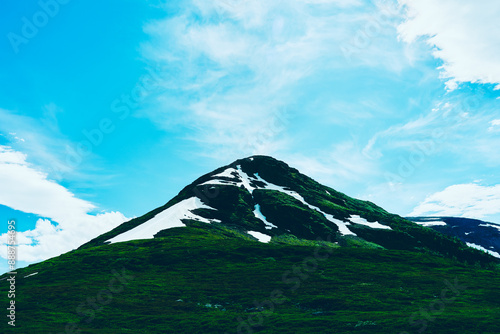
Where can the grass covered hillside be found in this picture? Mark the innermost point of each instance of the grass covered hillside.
(198, 280)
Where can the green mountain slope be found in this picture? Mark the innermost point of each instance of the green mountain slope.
(196, 281)
(297, 206)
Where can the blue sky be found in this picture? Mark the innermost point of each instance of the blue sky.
(107, 110)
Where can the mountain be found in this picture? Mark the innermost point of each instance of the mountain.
(264, 199)
(258, 247)
(475, 233)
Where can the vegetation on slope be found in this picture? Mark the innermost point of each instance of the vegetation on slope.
(198, 280)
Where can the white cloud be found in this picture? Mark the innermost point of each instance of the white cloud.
(26, 189)
(464, 35)
(495, 125)
(461, 200)
(232, 65)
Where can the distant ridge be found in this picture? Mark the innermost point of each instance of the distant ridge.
(474, 232)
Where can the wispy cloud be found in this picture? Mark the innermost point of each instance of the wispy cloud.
(456, 125)
(232, 66)
(419, 127)
(39, 138)
(342, 165)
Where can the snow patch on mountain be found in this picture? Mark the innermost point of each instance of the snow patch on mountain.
(343, 229)
(166, 219)
(358, 220)
(218, 183)
(227, 173)
(490, 225)
(260, 236)
(245, 180)
(429, 221)
(495, 254)
(260, 216)
(31, 275)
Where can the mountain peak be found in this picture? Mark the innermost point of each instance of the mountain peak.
(263, 199)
